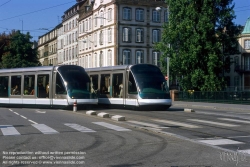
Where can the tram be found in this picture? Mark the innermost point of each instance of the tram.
(46, 86)
(140, 86)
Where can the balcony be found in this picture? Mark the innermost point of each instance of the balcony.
(242, 68)
(45, 54)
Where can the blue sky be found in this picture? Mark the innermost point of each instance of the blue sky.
(35, 15)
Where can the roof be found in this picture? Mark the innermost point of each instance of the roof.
(247, 27)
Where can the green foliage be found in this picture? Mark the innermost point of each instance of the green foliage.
(198, 42)
(19, 52)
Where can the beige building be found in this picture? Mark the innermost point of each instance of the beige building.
(47, 47)
(238, 78)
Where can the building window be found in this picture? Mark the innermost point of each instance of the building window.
(95, 60)
(101, 59)
(109, 15)
(247, 44)
(156, 58)
(126, 54)
(101, 38)
(101, 18)
(95, 39)
(156, 36)
(109, 59)
(109, 35)
(95, 20)
(139, 35)
(139, 14)
(126, 15)
(126, 34)
(90, 25)
(156, 16)
(236, 81)
(139, 56)
(165, 16)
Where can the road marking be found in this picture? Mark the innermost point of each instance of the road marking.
(110, 126)
(234, 120)
(214, 123)
(45, 129)
(23, 117)
(42, 112)
(16, 113)
(176, 123)
(216, 142)
(238, 137)
(79, 127)
(244, 151)
(9, 130)
(10, 109)
(32, 121)
(147, 124)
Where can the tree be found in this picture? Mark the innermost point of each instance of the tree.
(19, 52)
(198, 41)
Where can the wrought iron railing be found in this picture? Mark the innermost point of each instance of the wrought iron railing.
(233, 97)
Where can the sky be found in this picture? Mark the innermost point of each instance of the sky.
(39, 16)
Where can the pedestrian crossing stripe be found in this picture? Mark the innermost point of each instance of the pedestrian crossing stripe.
(111, 126)
(212, 122)
(176, 123)
(9, 130)
(45, 129)
(79, 127)
(234, 120)
(217, 142)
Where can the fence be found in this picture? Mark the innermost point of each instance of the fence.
(232, 97)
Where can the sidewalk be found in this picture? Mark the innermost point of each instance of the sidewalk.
(222, 106)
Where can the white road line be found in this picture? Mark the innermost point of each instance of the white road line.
(42, 112)
(238, 137)
(214, 123)
(176, 123)
(110, 126)
(144, 124)
(235, 120)
(45, 129)
(10, 109)
(79, 127)
(216, 142)
(9, 130)
(16, 113)
(244, 151)
(23, 117)
(32, 121)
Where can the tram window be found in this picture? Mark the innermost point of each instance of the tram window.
(60, 88)
(131, 85)
(94, 83)
(4, 86)
(118, 85)
(29, 84)
(42, 82)
(105, 84)
(16, 85)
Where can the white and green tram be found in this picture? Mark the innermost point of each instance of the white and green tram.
(46, 86)
(133, 86)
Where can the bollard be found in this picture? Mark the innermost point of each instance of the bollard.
(75, 106)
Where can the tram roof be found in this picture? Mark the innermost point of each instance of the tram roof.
(30, 69)
(108, 68)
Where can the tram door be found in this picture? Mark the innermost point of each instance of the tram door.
(43, 88)
(117, 89)
(131, 90)
(28, 88)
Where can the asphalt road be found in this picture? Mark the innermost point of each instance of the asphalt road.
(146, 138)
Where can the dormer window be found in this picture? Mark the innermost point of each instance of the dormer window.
(247, 44)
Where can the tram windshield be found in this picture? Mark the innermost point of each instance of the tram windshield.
(77, 81)
(150, 79)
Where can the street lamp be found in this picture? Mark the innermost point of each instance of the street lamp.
(167, 60)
